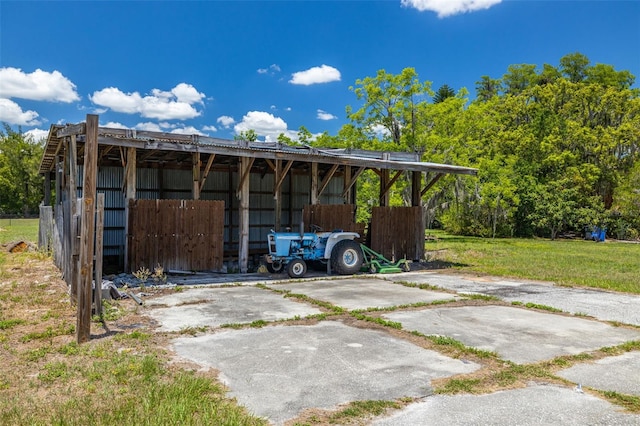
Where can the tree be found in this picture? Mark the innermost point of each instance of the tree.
(246, 135)
(443, 93)
(519, 77)
(487, 88)
(574, 66)
(390, 101)
(21, 184)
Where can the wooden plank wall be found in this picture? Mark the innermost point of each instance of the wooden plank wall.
(182, 235)
(398, 232)
(330, 216)
(45, 229)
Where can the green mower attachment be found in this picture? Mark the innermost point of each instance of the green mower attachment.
(376, 263)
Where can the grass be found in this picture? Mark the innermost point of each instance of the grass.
(610, 265)
(18, 230)
(121, 376)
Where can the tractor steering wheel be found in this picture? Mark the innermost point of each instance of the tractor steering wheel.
(315, 228)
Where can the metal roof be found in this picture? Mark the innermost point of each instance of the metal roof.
(176, 148)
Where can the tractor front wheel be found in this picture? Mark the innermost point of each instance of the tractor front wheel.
(297, 268)
(346, 257)
(275, 267)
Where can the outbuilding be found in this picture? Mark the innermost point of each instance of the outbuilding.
(190, 202)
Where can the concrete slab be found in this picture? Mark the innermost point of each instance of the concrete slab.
(534, 405)
(277, 372)
(365, 292)
(519, 335)
(213, 307)
(604, 305)
(617, 373)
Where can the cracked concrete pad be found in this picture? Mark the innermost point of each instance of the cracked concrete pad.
(534, 405)
(277, 372)
(213, 307)
(616, 373)
(366, 292)
(604, 305)
(519, 335)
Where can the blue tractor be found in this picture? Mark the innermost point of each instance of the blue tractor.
(337, 251)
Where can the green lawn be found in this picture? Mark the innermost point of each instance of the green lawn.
(610, 265)
(18, 230)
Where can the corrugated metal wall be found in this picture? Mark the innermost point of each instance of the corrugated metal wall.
(163, 183)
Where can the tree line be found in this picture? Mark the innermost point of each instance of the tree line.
(556, 148)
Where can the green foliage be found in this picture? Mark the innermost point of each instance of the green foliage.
(19, 179)
(556, 147)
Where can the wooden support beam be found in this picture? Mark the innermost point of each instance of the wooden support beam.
(129, 194)
(244, 172)
(207, 168)
(195, 172)
(346, 177)
(314, 184)
(433, 181)
(77, 129)
(270, 163)
(327, 179)
(97, 292)
(88, 229)
(348, 185)
(243, 213)
(383, 199)
(416, 184)
(72, 194)
(277, 196)
(283, 175)
(387, 187)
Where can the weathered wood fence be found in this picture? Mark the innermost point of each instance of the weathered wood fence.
(330, 216)
(176, 234)
(398, 232)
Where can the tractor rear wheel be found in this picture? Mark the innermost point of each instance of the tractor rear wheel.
(346, 257)
(297, 268)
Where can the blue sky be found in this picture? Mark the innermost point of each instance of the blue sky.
(218, 67)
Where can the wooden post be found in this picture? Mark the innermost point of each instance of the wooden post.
(74, 266)
(277, 196)
(97, 294)
(130, 194)
(384, 190)
(88, 229)
(346, 193)
(416, 186)
(196, 175)
(314, 184)
(243, 197)
(47, 189)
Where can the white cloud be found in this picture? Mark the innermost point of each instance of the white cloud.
(210, 128)
(187, 130)
(176, 104)
(37, 134)
(321, 74)
(287, 109)
(273, 107)
(37, 86)
(187, 93)
(446, 8)
(264, 124)
(379, 130)
(272, 69)
(114, 125)
(225, 121)
(11, 113)
(148, 126)
(323, 115)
